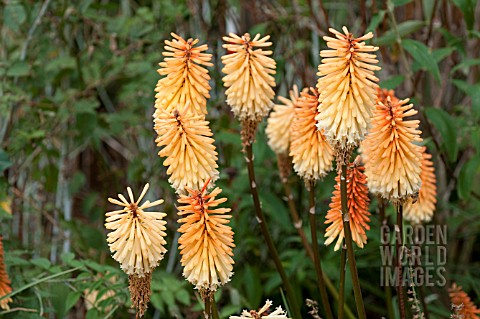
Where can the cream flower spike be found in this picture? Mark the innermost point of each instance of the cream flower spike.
(279, 313)
(347, 88)
(280, 121)
(422, 210)
(137, 236)
(188, 148)
(394, 160)
(312, 155)
(186, 80)
(248, 79)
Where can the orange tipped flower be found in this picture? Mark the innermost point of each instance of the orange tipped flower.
(312, 155)
(188, 148)
(393, 166)
(422, 210)
(462, 303)
(206, 241)
(137, 236)
(347, 87)
(263, 312)
(357, 194)
(186, 80)
(279, 123)
(383, 94)
(249, 79)
(5, 283)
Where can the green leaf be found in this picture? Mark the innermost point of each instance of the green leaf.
(399, 3)
(428, 6)
(445, 125)
(71, 300)
(86, 106)
(465, 64)
(376, 19)
(4, 160)
(183, 296)
(468, 9)
(404, 28)
(19, 68)
(67, 258)
(393, 82)
(422, 54)
(41, 262)
(467, 177)
(473, 90)
(14, 15)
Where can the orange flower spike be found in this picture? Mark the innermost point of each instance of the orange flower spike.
(462, 303)
(312, 155)
(358, 201)
(206, 242)
(5, 284)
(422, 210)
(186, 80)
(393, 165)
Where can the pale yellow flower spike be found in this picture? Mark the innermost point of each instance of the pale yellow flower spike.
(206, 242)
(137, 237)
(280, 121)
(185, 79)
(347, 88)
(249, 79)
(312, 155)
(422, 210)
(262, 313)
(188, 148)
(393, 165)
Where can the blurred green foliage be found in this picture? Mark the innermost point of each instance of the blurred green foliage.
(76, 105)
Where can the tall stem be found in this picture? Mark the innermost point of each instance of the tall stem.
(298, 225)
(388, 290)
(348, 240)
(316, 254)
(297, 221)
(398, 250)
(214, 308)
(208, 307)
(266, 234)
(341, 297)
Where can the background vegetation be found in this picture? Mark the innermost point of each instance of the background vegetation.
(76, 105)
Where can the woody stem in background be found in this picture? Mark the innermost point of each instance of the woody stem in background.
(316, 253)
(348, 240)
(266, 234)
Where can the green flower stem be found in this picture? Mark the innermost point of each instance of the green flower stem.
(399, 247)
(341, 297)
(316, 254)
(266, 234)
